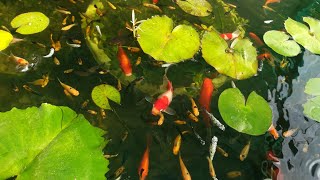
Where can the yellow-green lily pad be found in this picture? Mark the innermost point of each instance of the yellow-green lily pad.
(312, 107)
(195, 7)
(101, 93)
(280, 43)
(253, 116)
(6, 38)
(159, 39)
(30, 23)
(240, 62)
(313, 87)
(308, 38)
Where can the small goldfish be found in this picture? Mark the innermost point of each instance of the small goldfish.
(264, 56)
(256, 40)
(184, 171)
(66, 28)
(192, 116)
(176, 145)
(155, 1)
(161, 119)
(222, 151)
(272, 130)
(69, 89)
(152, 6)
(245, 151)
(103, 113)
(211, 169)
(22, 64)
(205, 98)
(143, 169)
(234, 174)
(180, 122)
(289, 132)
(41, 82)
(124, 61)
(111, 5)
(194, 107)
(271, 1)
(29, 89)
(230, 36)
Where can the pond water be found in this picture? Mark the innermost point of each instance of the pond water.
(281, 82)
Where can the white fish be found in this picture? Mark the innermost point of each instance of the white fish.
(268, 21)
(99, 30)
(50, 53)
(213, 147)
(215, 121)
(73, 45)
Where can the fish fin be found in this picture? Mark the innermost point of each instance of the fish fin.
(169, 111)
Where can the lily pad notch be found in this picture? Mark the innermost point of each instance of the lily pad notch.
(30, 23)
(101, 93)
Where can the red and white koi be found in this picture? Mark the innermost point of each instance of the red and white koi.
(164, 100)
(124, 61)
(230, 36)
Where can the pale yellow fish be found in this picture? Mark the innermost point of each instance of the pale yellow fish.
(56, 61)
(70, 89)
(289, 132)
(134, 49)
(222, 151)
(63, 11)
(103, 113)
(184, 171)
(73, 1)
(66, 28)
(92, 112)
(245, 151)
(41, 82)
(55, 45)
(180, 122)
(161, 119)
(176, 145)
(211, 168)
(76, 41)
(234, 174)
(152, 6)
(64, 21)
(67, 93)
(111, 5)
(138, 61)
(192, 116)
(73, 19)
(194, 107)
(85, 104)
(67, 71)
(80, 62)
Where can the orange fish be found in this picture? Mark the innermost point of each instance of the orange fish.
(271, 1)
(272, 130)
(184, 171)
(256, 40)
(205, 98)
(264, 56)
(124, 61)
(143, 169)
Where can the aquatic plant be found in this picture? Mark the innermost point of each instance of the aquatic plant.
(6, 38)
(50, 142)
(312, 106)
(101, 93)
(195, 7)
(30, 23)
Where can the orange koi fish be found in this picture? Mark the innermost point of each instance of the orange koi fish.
(230, 36)
(205, 98)
(264, 56)
(271, 1)
(143, 169)
(164, 100)
(124, 61)
(184, 171)
(22, 64)
(272, 130)
(155, 1)
(256, 40)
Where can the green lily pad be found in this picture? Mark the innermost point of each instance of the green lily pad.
(195, 7)
(280, 43)
(312, 108)
(157, 38)
(101, 93)
(6, 38)
(313, 87)
(240, 64)
(50, 142)
(252, 117)
(308, 38)
(30, 23)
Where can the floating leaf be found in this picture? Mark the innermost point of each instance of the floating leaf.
(240, 64)
(50, 142)
(252, 117)
(101, 93)
(313, 87)
(308, 38)
(312, 108)
(195, 7)
(280, 43)
(6, 38)
(30, 23)
(158, 39)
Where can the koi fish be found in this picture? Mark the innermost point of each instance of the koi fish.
(230, 36)
(271, 1)
(69, 89)
(111, 5)
(245, 151)
(22, 64)
(125, 64)
(184, 171)
(213, 147)
(29, 89)
(205, 97)
(164, 100)
(143, 169)
(257, 41)
(56, 61)
(41, 82)
(272, 130)
(64, 21)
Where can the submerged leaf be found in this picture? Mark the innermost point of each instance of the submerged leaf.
(280, 43)
(30, 23)
(313, 87)
(101, 93)
(308, 38)
(312, 108)
(240, 64)
(6, 38)
(252, 117)
(157, 38)
(50, 142)
(195, 7)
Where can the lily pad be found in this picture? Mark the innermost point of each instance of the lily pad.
(101, 93)
(195, 7)
(50, 142)
(313, 87)
(280, 43)
(240, 64)
(312, 108)
(252, 117)
(157, 38)
(308, 38)
(6, 38)
(30, 23)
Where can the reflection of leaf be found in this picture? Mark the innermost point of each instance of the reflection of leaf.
(195, 7)
(30, 23)
(312, 108)
(280, 43)
(310, 39)
(6, 38)
(252, 117)
(158, 39)
(101, 93)
(50, 142)
(240, 64)
(313, 87)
